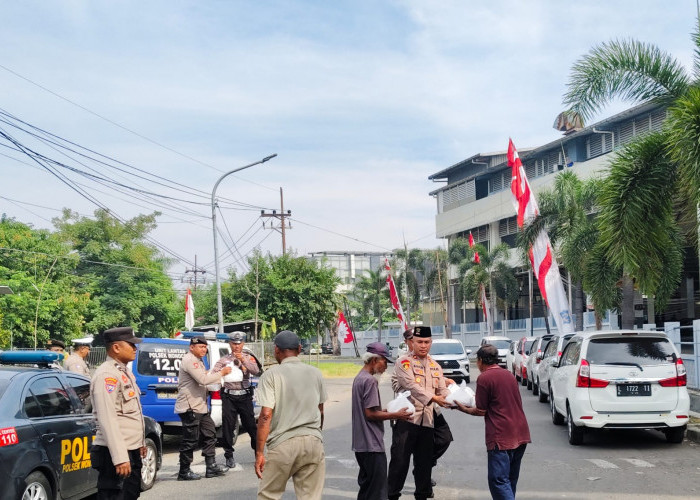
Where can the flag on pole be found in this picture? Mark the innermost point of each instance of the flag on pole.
(484, 300)
(344, 329)
(394, 297)
(544, 264)
(189, 311)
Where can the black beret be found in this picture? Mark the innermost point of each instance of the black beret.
(55, 343)
(422, 332)
(125, 333)
(198, 340)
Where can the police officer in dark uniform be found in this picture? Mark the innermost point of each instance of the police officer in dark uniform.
(237, 397)
(119, 443)
(420, 374)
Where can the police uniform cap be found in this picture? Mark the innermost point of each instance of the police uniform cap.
(81, 342)
(124, 333)
(422, 332)
(236, 337)
(408, 334)
(198, 340)
(55, 343)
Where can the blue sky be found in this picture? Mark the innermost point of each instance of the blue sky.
(361, 100)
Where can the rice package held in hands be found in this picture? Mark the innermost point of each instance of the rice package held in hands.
(401, 401)
(461, 394)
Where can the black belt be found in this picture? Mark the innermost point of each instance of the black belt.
(236, 392)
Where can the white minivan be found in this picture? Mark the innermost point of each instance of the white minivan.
(630, 379)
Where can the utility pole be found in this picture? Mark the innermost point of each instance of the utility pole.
(281, 217)
(195, 271)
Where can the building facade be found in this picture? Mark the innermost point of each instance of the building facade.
(350, 266)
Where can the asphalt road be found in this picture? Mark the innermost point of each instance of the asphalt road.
(637, 465)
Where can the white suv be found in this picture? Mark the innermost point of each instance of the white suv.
(631, 379)
(451, 356)
(522, 352)
(500, 343)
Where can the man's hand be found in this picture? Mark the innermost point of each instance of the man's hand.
(123, 470)
(471, 410)
(225, 370)
(449, 382)
(259, 464)
(441, 401)
(144, 452)
(403, 414)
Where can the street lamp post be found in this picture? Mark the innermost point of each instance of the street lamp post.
(216, 250)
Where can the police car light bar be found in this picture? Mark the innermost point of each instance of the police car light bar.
(29, 357)
(206, 335)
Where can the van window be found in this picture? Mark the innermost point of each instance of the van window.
(499, 344)
(634, 350)
(162, 360)
(82, 390)
(571, 354)
(551, 348)
(528, 346)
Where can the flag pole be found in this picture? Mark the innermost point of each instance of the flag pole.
(348, 317)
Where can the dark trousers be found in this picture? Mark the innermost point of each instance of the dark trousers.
(442, 438)
(194, 426)
(410, 439)
(231, 408)
(504, 470)
(372, 476)
(110, 486)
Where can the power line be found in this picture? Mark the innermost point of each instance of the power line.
(123, 127)
(342, 235)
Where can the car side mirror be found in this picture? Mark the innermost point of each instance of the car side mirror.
(469, 351)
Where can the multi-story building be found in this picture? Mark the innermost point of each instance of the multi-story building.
(350, 266)
(476, 198)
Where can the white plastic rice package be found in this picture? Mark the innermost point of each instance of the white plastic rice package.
(461, 394)
(236, 374)
(401, 401)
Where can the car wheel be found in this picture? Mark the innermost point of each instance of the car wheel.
(149, 465)
(675, 434)
(557, 418)
(468, 379)
(529, 384)
(535, 389)
(523, 381)
(542, 396)
(37, 487)
(575, 432)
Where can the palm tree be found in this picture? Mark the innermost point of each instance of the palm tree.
(371, 294)
(654, 182)
(565, 213)
(407, 264)
(492, 272)
(436, 282)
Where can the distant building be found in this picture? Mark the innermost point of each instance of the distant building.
(350, 266)
(476, 198)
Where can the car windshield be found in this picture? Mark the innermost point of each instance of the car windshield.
(642, 351)
(161, 360)
(446, 348)
(500, 344)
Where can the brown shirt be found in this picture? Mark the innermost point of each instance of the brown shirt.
(251, 368)
(423, 377)
(192, 385)
(76, 364)
(116, 405)
(498, 393)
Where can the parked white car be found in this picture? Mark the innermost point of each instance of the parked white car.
(620, 380)
(451, 356)
(521, 353)
(510, 356)
(550, 358)
(500, 343)
(534, 359)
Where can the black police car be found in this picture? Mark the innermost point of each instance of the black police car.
(47, 428)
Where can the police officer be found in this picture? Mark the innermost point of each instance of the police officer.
(237, 397)
(77, 362)
(119, 443)
(56, 346)
(419, 373)
(191, 406)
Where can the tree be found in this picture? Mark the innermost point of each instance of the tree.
(492, 272)
(36, 265)
(637, 221)
(407, 265)
(124, 276)
(437, 280)
(371, 298)
(565, 213)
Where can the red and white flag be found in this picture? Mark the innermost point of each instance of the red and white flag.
(344, 330)
(544, 264)
(484, 300)
(394, 297)
(189, 311)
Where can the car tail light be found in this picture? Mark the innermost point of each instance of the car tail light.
(524, 370)
(583, 379)
(215, 395)
(680, 380)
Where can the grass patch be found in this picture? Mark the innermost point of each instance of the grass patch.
(337, 370)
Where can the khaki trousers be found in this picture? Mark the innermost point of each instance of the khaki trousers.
(302, 458)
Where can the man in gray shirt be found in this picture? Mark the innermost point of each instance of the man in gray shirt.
(291, 397)
(368, 424)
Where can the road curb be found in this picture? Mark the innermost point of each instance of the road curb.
(693, 433)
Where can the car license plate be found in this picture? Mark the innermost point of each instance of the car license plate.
(167, 394)
(633, 390)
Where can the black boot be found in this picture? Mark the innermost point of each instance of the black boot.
(213, 469)
(187, 475)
